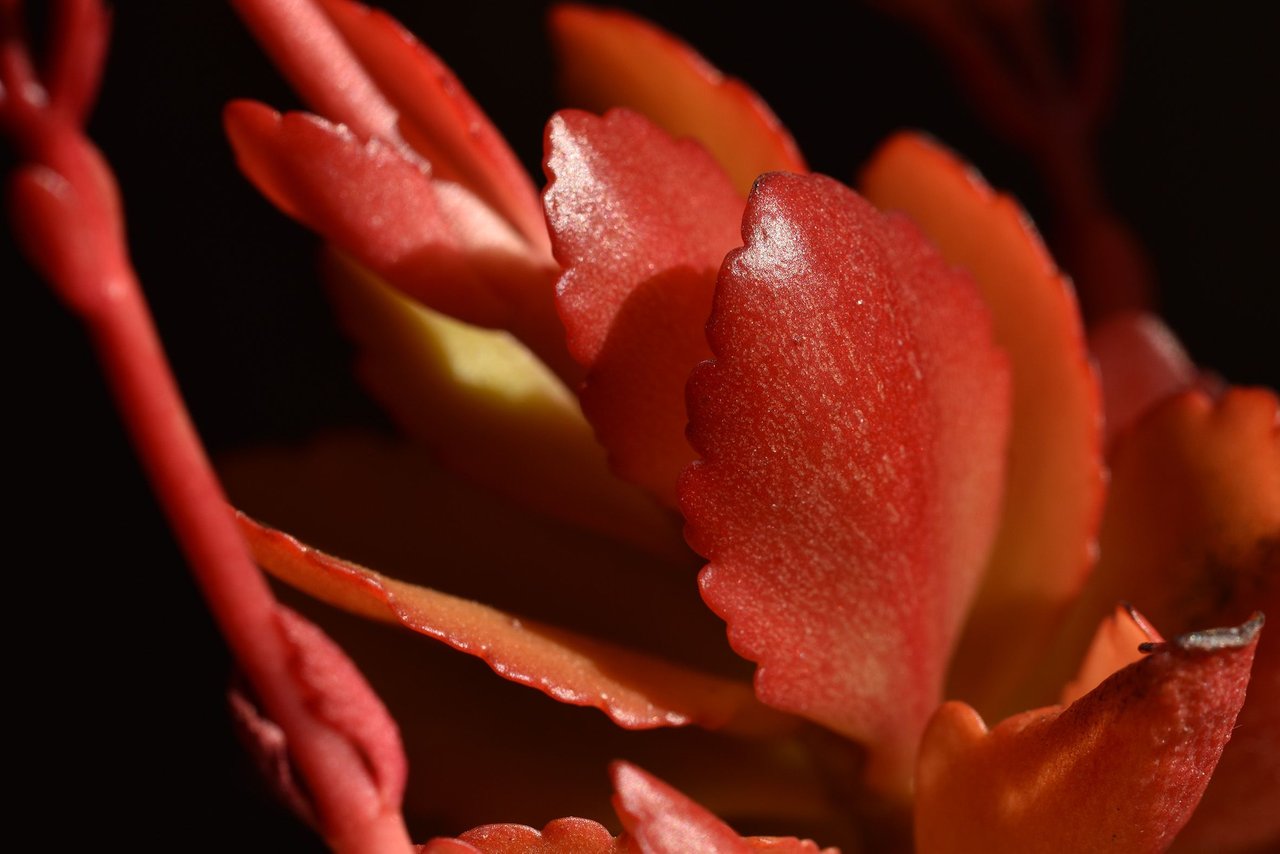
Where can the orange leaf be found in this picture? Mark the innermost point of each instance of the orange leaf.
(1121, 768)
(1116, 645)
(613, 59)
(1055, 479)
(636, 691)
(1191, 537)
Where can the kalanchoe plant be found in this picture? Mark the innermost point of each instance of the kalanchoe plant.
(893, 468)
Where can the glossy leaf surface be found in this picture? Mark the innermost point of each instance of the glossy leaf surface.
(851, 430)
(640, 223)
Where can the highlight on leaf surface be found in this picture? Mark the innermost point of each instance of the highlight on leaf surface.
(1123, 766)
(851, 432)
(640, 223)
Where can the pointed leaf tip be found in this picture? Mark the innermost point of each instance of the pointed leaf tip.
(658, 820)
(1140, 362)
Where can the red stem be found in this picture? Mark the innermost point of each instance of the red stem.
(66, 206)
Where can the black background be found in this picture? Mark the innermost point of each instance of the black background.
(120, 676)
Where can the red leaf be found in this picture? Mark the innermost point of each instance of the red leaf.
(852, 432)
(431, 239)
(438, 117)
(612, 59)
(360, 68)
(368, 496)
(1054, 490)
(1121, 768)
(366, 197)
(640, 223)
(636, 691)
